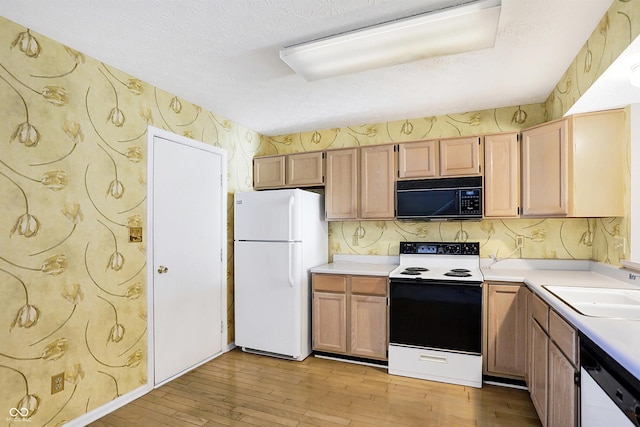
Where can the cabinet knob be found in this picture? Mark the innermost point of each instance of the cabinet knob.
(162, 269)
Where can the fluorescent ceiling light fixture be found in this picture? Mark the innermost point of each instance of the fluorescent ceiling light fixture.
(464, 28)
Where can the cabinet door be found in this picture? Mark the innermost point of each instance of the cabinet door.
(545, 170)
(562, 390)
(460, 156)
(341, 189)
(377, 170)
(506, 330)
(418, 159)
(329, 322)
(539, 370)
(369, 326)
(268, 172)
(305, 169)
(501, 175)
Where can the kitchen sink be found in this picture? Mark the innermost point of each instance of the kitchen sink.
(600, 302)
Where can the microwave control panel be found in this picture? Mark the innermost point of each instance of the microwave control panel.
(471, 201)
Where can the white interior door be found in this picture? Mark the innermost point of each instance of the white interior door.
(187, 262)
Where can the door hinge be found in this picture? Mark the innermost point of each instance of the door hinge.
(518, 210)
(220, 254)
(576, 378)
(222, 326)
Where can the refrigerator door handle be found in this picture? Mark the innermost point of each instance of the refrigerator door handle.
(291, 203)
(291, 281)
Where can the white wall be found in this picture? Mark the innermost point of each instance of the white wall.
(634, 222)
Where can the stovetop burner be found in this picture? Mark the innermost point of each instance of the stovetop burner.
(416, 269)
(410, 272)
(460, 270)
(454, 273)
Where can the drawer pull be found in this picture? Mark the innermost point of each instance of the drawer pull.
(433, 359)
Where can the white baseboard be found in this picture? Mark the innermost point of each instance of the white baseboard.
(105, 409)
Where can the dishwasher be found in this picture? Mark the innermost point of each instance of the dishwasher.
(609, 394)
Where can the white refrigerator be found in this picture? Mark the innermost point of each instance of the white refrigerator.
(278, 236)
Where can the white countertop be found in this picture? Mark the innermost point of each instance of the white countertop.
(366, 265)
(617, 337)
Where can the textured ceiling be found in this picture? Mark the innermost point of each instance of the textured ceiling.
(223, 55)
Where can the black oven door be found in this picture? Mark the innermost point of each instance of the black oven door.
(437, 315)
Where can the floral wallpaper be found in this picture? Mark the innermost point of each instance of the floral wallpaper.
(73, 174)
(72, 182)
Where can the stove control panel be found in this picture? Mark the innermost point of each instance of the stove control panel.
(440, 248)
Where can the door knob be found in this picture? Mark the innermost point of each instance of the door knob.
(162, 269)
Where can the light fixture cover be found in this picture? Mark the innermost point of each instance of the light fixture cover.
(471, 26)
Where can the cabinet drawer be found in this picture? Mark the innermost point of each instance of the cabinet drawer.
(564, 336)
(369, 285)
(329, 283)
(540, 312)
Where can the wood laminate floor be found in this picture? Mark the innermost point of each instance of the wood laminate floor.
(240, 389)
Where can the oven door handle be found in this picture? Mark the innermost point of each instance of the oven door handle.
(433, 359)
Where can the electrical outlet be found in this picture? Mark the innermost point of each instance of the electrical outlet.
(618, 244)
(57, 383)
(519, 241)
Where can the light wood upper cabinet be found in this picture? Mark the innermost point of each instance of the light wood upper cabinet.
(291, 170)
(460, 156)
(305, 169)
(440, 158)
(360, 183)
(350, 315)
(419, 159)
(545, 166)
(341, 187)
(377, 172)
(506, 318)
(269, 172)
(502, 175)
(573, 166)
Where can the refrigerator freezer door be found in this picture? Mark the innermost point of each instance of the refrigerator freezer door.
(269, 297)
(268, 215)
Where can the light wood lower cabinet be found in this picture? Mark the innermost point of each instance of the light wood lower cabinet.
(539, 370)
(562, 405)
(330, 311)
(554, 365)
(350, 315)
(506, 320)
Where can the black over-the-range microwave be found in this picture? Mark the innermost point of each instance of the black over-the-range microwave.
(439, 198)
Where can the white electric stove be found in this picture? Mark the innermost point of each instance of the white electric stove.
(435, 312)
